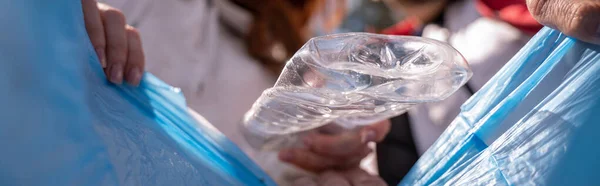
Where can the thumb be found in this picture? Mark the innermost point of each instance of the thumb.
(375, 132)
(576, 18)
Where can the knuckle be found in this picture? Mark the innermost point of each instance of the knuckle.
(117, 62)
(118, 47)
(94, 27)
(536, 7)
(333, 149)
(340, 147)
(319, 162)
(117, 57)
(98, 42)
(576, 16)
(114, 15)
(322, 147)
(303, 157)
(133, 33)
(545, 11)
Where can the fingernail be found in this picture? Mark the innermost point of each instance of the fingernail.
(100, 53)
(116, 74)
(368, 136)
(134, 76)
(286, 155)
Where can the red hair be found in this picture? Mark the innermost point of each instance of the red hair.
(279, 29)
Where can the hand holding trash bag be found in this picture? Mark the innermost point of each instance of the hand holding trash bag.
(117, 44)
(332, 147)
(577, 18)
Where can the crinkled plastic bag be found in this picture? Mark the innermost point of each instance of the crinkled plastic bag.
(63, 124)
(352, 79)
(534, 123)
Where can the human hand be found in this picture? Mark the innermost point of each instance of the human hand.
(576, 18)
(352, 177)
(117, 44)
(332, 147)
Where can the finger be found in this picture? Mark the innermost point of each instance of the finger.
(95, 29)
(348, 142)
(331, 128)
(354, 161)
(577, 18)
(333, 178)
(338, 145)
(116, 43)
(135, 57)
(307, 160)
(375, 132)
(305, 181)
(358, 176)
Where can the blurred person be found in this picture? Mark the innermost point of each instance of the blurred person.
(488, 33)
(578, 19)
(221, 53)
(102, 25)
(370, 16)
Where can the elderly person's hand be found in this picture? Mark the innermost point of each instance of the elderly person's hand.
(352, 177)
(332, 147)
(576, 18)
(117, 44)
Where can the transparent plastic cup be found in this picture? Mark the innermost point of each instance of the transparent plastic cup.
(352, 79)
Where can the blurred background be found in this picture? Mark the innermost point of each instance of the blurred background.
(224, 53)
(369, 15)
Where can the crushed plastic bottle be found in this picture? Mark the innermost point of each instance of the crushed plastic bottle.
(352, 79)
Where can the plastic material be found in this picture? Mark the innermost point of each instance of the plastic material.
(533, 123)
(62, 123)
(353, 79)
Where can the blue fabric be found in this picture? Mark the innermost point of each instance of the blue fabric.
(533, 123)
(62, 123)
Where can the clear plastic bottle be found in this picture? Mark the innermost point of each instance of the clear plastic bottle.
(353, 79)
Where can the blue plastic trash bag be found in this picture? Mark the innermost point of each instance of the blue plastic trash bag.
(61, 123)
(536, 122)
